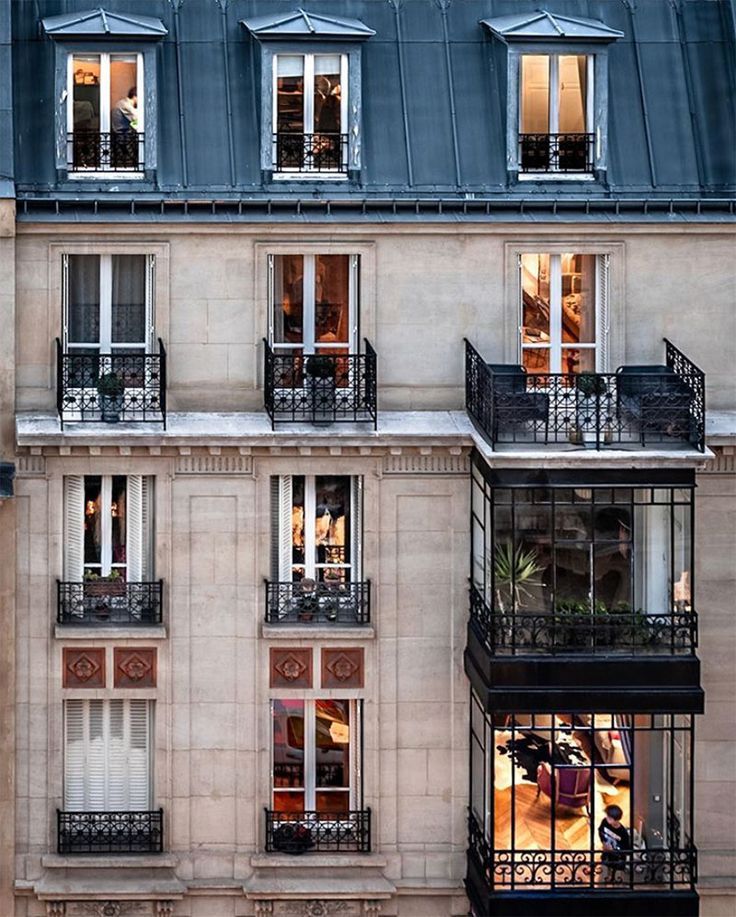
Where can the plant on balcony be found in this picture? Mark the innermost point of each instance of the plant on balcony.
(110, 388)
(307, 600)
(514, 569)
(580, 624)
(589, 387)
(320, 370)
(100, 589)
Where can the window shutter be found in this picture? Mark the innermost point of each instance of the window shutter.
(65, 300)
(73, 528)
(355, 303)
(150, 287)
(139, 755)
(147, 542)
(356, 528)
(74, 755)
(96, 757)
(134, 525)
(356, 747)
(271, 300)
(602, 317)
(117, 765)
(284, 529)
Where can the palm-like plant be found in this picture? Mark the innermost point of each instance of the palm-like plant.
(514, 570)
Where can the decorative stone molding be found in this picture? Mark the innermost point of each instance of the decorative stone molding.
(724, 461)
(343, 667)
(263, 908)
(55, 909)
(30, 466)
(434, 463)
(214, 464)
(83, 667)
(291, 668)
(164, 908)
(135, 667)
(372, 908)
(317, 908)
(111, 909)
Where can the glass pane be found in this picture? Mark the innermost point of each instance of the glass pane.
(86, 101)
(535, 94)
(288, 306)
(533, 561)
(327, 93)
(332, 754)
(129, 299)
(572, 93)
(118, 512)
(290, 94)
(682, 585)
(577, 360)
(613, 577)
(332, 803)
(578, 299)
(331, 299)
(288, 753)
(652, 563)
(332, 527)
(84, 299)
(535, 299)
(92, 523)
(536, 360)
(123, 94)
(477, 788)
(572, 575)
(297, 526)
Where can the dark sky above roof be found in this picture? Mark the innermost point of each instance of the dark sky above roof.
(687, 59)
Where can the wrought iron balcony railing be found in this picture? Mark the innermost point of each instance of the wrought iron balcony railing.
(102, 602)
(320, 388)
(96, 387)
(299, 832)
(655, 868)
(635, 406)
(92, 151)
(581, 631)
(110, 832)
(556, 152)
(324, 603)
(325, 152)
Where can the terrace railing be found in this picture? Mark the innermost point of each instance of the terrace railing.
(556, 152)
(322, 152)
(93, 151)
(110, 832)
(101, 603)
(299, 832)
(327, 603)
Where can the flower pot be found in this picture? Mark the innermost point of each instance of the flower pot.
(322, 398)
(111, 406)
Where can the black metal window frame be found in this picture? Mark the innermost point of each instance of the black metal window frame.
(562, 627)
(105, 604)
(130, 832)
(663, 861)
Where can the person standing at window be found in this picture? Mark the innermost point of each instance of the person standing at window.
(616, 842)
(125, 113)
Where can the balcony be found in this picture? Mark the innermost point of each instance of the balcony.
(101, 603)
(635, 407)
(557, 153)
(325, 603)
(92, 151)
(321, 153)
(108, 388)
(318, 832)
(322, 388)
(110, 832)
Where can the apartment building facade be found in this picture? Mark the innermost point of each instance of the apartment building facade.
(371, 407)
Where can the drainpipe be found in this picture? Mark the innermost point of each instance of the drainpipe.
(631, 7)
(444, 5)
(177, 4)
(228, 92)
(396, 5)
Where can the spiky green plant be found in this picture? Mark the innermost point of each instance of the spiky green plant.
(514, 569)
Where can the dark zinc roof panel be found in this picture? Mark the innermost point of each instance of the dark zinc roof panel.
(686, 50)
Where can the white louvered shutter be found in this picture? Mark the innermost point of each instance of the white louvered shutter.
(135, 550)
(117, 765)
(139, 755)
(354, 346)
(271, 300)
(74, 755)
(73, 528)
(150, 287)
(147, 529)
(356, 743)
(284, 528)
(602, 316)
(356, 528)
(96, 757)
(65, 298)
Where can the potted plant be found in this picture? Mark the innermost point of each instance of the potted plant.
(320, 371)
(589, 388)
(98, 590)
(110, 388)
(514, 569)
(307, 600)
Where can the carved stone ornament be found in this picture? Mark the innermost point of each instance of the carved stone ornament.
(263, 908)
(109, 909)
(164, 908)
(317, 908)
(291, 668)
(342, 668)
(135, 668)
(55, 909)
(84, 668)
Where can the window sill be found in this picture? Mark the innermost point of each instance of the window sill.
(556, 176)
(113, 861)
(316, 632)
(106, 176)
(104, 631)
(310, 176)
(317, 860)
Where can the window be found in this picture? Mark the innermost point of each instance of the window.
(107, 755)
(564, 317)
(315, 765)
(556, 113)
(310, 112)
(317, 528)
(105, 112)
(108, 528)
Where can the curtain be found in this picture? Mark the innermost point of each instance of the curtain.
(83, 307)
(128, 319)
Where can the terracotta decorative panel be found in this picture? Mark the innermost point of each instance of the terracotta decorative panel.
(342, 667)
(291, 668)
(135, 667)
(83, 667)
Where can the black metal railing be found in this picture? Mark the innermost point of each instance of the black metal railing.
(324, 603)
(94, 151)
(103, 602)
(637, 405)
(299, 832)
(110, 832)
(601, 630)
(556, 152)
(672, 867)
(320, 388)
(95, 387)
(323, 152)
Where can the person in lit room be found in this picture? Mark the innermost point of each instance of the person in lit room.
(616, 842)
(125, 113)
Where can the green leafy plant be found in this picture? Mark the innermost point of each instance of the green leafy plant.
(590, 384)
(514, 570)
(110, 385)
(112, 576)
(320, 366)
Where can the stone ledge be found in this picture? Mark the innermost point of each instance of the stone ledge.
(310, 633)
(144, 861)
(317, 861)
(75, 632)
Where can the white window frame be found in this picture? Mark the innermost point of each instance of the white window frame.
(553, 100)
(112, 774)
(555, 346)
(310, 756)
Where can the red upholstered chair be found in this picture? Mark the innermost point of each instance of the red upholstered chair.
(571, 785)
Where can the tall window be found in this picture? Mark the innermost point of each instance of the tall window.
(105, 111)
(564, 321)
(107, 755)
(317, 528)
(556, 113)
(310, 112)
(313, 303)
(315, 755)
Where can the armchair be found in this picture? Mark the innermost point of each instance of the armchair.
(513, 403)
(657, 399)
(570, 786)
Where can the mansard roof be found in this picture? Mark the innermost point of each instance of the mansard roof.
(99, 23)
(545, 26)
(302, 24)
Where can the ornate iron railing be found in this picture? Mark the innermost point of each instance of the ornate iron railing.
(99, 603)
(94, 387)
(320, 388)
(635, 406)
(326, 603)
(556, 152)
(92, 151)
(598, 632)
(299, 832)
(323, 152)
(110, 832)
(672, 867)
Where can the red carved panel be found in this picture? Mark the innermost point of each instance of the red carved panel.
(291, 668)
(343, 667)
(83, 667)
(135, 667)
